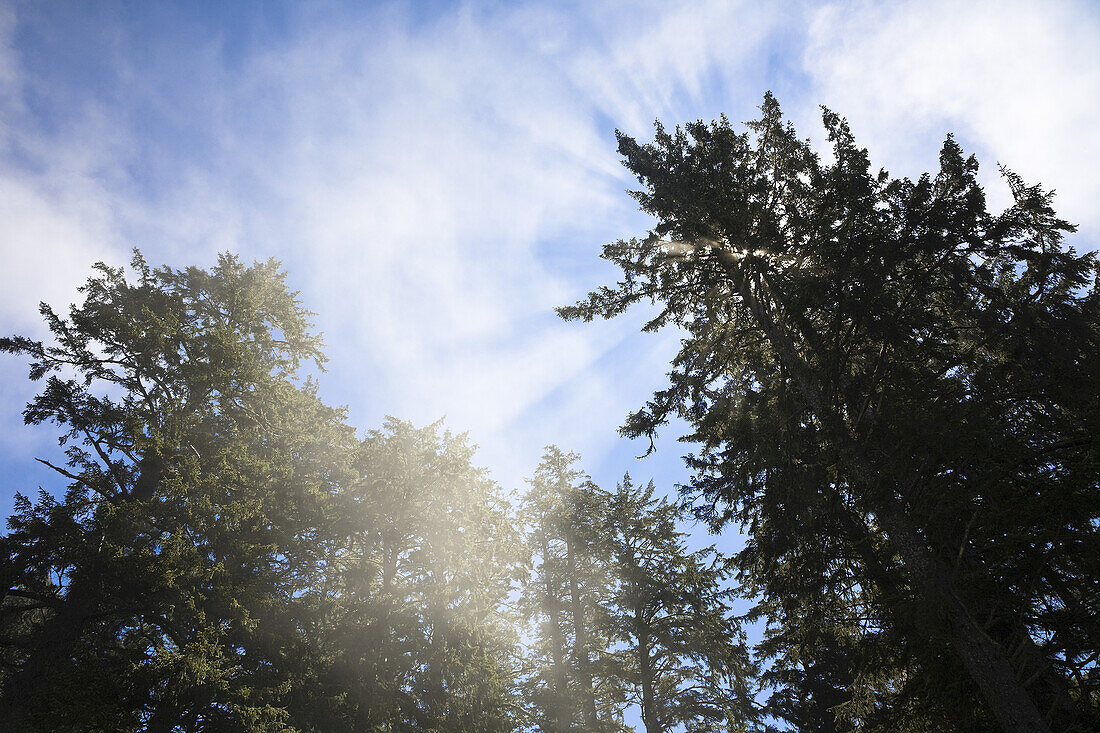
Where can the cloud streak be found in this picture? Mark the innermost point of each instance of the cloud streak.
(1019, 82)
(437, 185)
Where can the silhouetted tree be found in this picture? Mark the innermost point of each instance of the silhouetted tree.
(684, 654)
(897, 393)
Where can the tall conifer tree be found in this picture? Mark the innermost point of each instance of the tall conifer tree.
(570, 686)
(897, 395)
(168, 586)
(227, 556)
(432, 555)
(683, 655)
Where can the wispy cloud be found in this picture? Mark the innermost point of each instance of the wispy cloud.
(436, 185)
(1018, 81)
(430, 184)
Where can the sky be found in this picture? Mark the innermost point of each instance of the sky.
(436, 177)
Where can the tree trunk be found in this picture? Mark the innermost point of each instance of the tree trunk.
(562, 716)
(953, 616)
(645, 672)
(580, 645)
(983, 658)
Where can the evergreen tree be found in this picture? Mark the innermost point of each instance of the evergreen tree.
(684, 653)
(571, 686)
(896, 392)
(227, 555)
(167, 588)
(432, 557)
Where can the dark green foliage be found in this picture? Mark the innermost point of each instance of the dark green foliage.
(227, 555)
(896, 392)
(683, 651)
(166, 587)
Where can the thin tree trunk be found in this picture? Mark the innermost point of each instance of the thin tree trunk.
(645, 671)
(580, 645)
(557, 652)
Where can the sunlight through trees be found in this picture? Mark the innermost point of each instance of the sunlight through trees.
(897, 397)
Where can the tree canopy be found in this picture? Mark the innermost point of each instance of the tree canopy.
(167, 586)
(227, 555)
(230, 555)
(896, 395)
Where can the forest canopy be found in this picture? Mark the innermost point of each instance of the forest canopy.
(895, 392)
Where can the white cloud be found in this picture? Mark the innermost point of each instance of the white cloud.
(435, 188)
(56, 206)
(422, 183)
(667, 60)
(1018, 81)
(422, 178)
(432, 174)
(49, 245)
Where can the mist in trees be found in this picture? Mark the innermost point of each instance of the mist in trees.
(895, 392)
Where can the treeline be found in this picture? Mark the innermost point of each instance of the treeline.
(230, 556)
(897, 397)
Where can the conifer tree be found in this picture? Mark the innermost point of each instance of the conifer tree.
(432, 556)
(684, 653)
(168, 587)
(571, 686)
(896, 392)
(227, 556)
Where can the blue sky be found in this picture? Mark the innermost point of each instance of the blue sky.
(437, 177)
